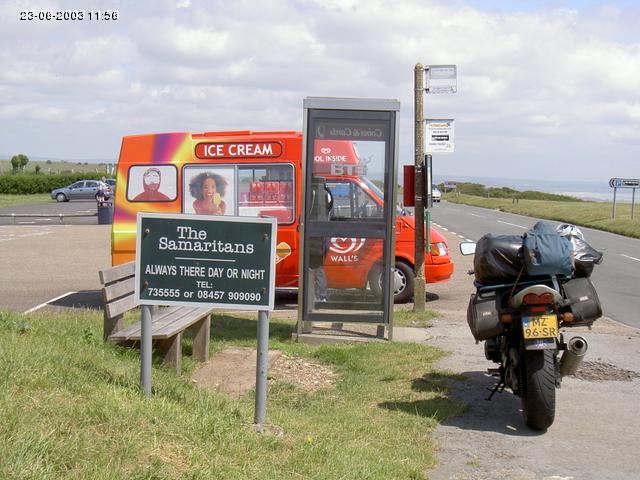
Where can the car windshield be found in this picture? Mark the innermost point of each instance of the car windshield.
(376, 190)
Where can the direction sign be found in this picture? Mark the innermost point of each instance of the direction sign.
(226, 262)
(624, 183)
(440, 135)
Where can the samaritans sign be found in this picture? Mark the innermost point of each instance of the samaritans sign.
(225, 262)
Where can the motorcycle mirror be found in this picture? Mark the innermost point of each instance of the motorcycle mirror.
(468, 248)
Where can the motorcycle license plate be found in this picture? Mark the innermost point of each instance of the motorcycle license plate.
(541, 326)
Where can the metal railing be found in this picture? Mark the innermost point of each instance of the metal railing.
(60, 216)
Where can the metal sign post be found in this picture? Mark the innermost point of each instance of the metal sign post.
(145, 350)
(633, 183)
(213, 261)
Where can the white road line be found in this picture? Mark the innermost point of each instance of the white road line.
(453, 233)
(632, 258)
(476, 215)
(467, 240)
(47, 302)
(512, 224)
(445, 229)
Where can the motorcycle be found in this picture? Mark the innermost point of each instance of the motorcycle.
(527, 293)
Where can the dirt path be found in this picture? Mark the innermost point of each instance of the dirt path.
(597, 429)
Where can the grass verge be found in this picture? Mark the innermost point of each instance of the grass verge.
(588, 214)
(409, 318)
(11, 200)
(70, 407)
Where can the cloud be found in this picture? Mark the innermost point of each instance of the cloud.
(552, 83)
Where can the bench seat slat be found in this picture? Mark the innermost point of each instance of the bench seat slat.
(118, 289)
(134, 331)
(182, 323)
(119, 307)
(119, 272)
(166, 324)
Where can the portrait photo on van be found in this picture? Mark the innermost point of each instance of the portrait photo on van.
(152, 183)
(208, 190)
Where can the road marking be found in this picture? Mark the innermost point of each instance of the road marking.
(47, 302)
(512, 224)
(632, 258)
(453, 233)
(445, 229)
(476, 215)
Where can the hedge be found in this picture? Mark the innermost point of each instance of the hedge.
(27, 184)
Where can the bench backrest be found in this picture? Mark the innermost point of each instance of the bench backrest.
(118, 287)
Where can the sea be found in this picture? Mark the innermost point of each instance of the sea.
(595, 191)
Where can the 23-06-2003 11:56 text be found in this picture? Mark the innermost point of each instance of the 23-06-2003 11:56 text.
(68, 15)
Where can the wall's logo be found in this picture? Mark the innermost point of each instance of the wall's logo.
(344, 245)
(325, 150)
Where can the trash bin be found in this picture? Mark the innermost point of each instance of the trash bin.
(105, 213)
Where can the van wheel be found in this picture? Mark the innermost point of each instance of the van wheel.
(402, 281)
(61, 197)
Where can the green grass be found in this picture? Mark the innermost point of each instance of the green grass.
(409, 318)
(70, 408)
(11, 200)
(589, 214)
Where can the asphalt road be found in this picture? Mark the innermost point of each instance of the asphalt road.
(42, 262)
(87, 208)
(617, 278)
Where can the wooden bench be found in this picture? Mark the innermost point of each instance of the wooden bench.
(168, 323)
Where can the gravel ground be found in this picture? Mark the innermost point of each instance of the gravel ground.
(596, 431)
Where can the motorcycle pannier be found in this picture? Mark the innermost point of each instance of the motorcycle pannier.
(482, 316)
(583, 301)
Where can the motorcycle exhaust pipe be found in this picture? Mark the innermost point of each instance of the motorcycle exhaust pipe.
(573, 355)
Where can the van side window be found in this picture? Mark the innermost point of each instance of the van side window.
(152, 183)
(266, 191)
(351, 202)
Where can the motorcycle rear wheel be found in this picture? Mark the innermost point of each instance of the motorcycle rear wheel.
(539, 392)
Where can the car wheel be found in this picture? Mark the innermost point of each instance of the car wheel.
(402, 282)
(61, 197)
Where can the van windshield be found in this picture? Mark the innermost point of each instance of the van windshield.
(376, 190)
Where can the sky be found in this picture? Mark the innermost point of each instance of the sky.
(546, 89)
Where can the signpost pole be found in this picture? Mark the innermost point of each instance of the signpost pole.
(419, 287)
(262, 364)
(145, 350)
(633, 201)
(615, 189)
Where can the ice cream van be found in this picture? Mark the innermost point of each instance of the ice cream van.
(247, 173)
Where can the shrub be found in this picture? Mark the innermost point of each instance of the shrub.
(31, 183)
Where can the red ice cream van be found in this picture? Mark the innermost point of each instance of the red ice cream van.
(260, 174)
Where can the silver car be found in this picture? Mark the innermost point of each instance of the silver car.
(436, 195)
(81, 190)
